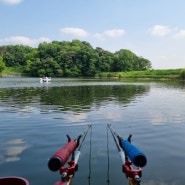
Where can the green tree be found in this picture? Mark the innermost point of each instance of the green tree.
(17, 55)
(88, 57)
(125, 60)
(105, 59)
(35, 67)
(70, 59)
(143, 64)
(182, 74)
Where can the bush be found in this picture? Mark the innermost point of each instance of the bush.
(182, 74)
(2, 64)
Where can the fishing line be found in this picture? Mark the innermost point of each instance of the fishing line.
(108, 161)
(84, 136)
(90, 151)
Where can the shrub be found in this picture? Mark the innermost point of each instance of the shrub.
(182, 74)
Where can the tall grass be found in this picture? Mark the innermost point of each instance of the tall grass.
(11, 72)
(171, 74)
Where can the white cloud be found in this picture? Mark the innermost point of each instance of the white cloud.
(77, 32)
(180, 34)
(17, 40)
(11, 1)
(22, 40)
(114, 33)
(159, 30)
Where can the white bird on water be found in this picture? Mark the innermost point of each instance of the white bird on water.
(45, 79)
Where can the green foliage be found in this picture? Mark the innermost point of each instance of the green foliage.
(70, 59)
(149, 74)
(182, 74)
(2, 64)
(128, 61)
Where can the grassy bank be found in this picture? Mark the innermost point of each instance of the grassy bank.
(168, 74)
(11, 72)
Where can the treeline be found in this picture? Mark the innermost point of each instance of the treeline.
(69, 59)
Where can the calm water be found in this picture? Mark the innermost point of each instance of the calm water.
(35, 119)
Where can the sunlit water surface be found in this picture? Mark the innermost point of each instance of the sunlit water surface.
(35, 118)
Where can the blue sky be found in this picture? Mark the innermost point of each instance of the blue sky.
(153, 29)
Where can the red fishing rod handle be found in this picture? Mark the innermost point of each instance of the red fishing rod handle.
(60, 157)
(131, 172)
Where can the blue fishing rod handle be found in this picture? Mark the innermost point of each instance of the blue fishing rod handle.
(135, 155)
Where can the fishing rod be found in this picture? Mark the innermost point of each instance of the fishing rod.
(59, 158)
(121, 152)
(129, 154)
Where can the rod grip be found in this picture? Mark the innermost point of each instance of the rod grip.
(135, 155)
(60, 157)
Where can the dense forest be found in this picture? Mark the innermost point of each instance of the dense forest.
(69, 59)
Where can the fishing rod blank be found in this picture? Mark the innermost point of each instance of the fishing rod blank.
(121, 153)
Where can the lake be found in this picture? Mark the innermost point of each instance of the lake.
(35, 118)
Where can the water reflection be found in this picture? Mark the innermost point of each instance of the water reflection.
(11, 150)
(68, 98)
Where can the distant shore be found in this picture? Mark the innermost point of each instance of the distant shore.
(159, 74)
